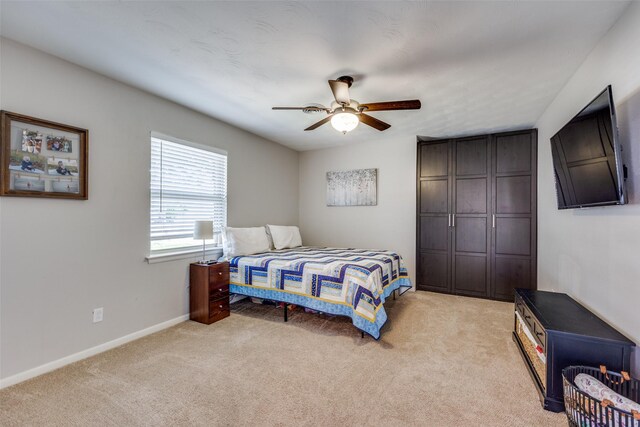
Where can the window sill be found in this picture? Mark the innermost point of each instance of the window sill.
(195, 254)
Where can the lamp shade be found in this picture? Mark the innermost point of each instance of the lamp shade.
(203, 230)
(344, 121)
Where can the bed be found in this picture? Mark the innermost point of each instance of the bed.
(347, 282)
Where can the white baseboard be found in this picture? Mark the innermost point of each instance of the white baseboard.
(51, 366)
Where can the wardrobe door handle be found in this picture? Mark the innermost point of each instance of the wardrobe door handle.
(493, 220)
(453, 222)
(449, 217)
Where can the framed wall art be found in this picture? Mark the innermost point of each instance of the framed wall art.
(352, 188)
(39, 158)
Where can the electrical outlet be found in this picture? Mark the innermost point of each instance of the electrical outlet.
(98, 314)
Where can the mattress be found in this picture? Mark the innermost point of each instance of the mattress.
(347, 282)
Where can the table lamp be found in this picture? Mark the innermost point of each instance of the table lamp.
(203, 230)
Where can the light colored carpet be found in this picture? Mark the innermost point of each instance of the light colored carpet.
(442, 360)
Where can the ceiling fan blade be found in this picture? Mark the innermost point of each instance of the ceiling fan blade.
(412, 104)
(320, 123)
(340, 91)
(309, 108)
(373, 122)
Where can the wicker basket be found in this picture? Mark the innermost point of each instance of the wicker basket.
(585, 411)
(539, 366)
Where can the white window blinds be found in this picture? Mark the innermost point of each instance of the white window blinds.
(187, 184)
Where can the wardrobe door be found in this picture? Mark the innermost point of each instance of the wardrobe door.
(471, 216)
(434, 238)
(514, 213)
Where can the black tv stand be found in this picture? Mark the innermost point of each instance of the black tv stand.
(565, 333)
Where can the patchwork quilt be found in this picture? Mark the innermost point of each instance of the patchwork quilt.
(348, 282)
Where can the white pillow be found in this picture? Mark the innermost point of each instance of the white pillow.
(285, 236)
(244, 241)
(269, 236)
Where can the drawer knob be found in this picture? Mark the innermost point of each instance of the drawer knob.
(220, 305)
(539, 334)
(220, 289)
(219, 273)
(527, 317)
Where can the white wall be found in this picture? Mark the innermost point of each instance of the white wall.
(62, 258)
(389, 225)
(594, 254)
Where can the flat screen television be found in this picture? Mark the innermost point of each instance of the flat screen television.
(587, 157)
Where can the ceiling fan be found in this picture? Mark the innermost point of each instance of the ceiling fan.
(345, 113)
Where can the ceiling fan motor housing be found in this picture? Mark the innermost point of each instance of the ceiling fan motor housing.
(353, 105)
(347, 79)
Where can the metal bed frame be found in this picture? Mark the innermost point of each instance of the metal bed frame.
(286, 306)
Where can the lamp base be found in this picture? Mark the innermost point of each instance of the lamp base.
(204, 261)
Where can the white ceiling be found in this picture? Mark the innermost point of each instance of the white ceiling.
(476, 66)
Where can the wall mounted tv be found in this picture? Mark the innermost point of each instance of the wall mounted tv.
(587, 157)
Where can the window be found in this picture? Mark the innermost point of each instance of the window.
(188, 183)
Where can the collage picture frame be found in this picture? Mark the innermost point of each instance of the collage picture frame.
(40, 158)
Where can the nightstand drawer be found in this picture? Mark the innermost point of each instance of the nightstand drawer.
(218, 291)
(219, 309)
(218, 275)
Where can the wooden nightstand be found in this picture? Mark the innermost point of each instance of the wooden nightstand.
(209, 292)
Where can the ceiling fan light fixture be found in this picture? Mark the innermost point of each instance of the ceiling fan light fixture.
(345, 113)
(344, 121)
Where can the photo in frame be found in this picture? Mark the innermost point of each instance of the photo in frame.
(27, 163)
(40, 158)
(62, 167)
(66, 186)
(29, 183)
(31, 141)
(59, 143)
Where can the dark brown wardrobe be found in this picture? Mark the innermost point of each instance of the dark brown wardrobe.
(476, 214)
